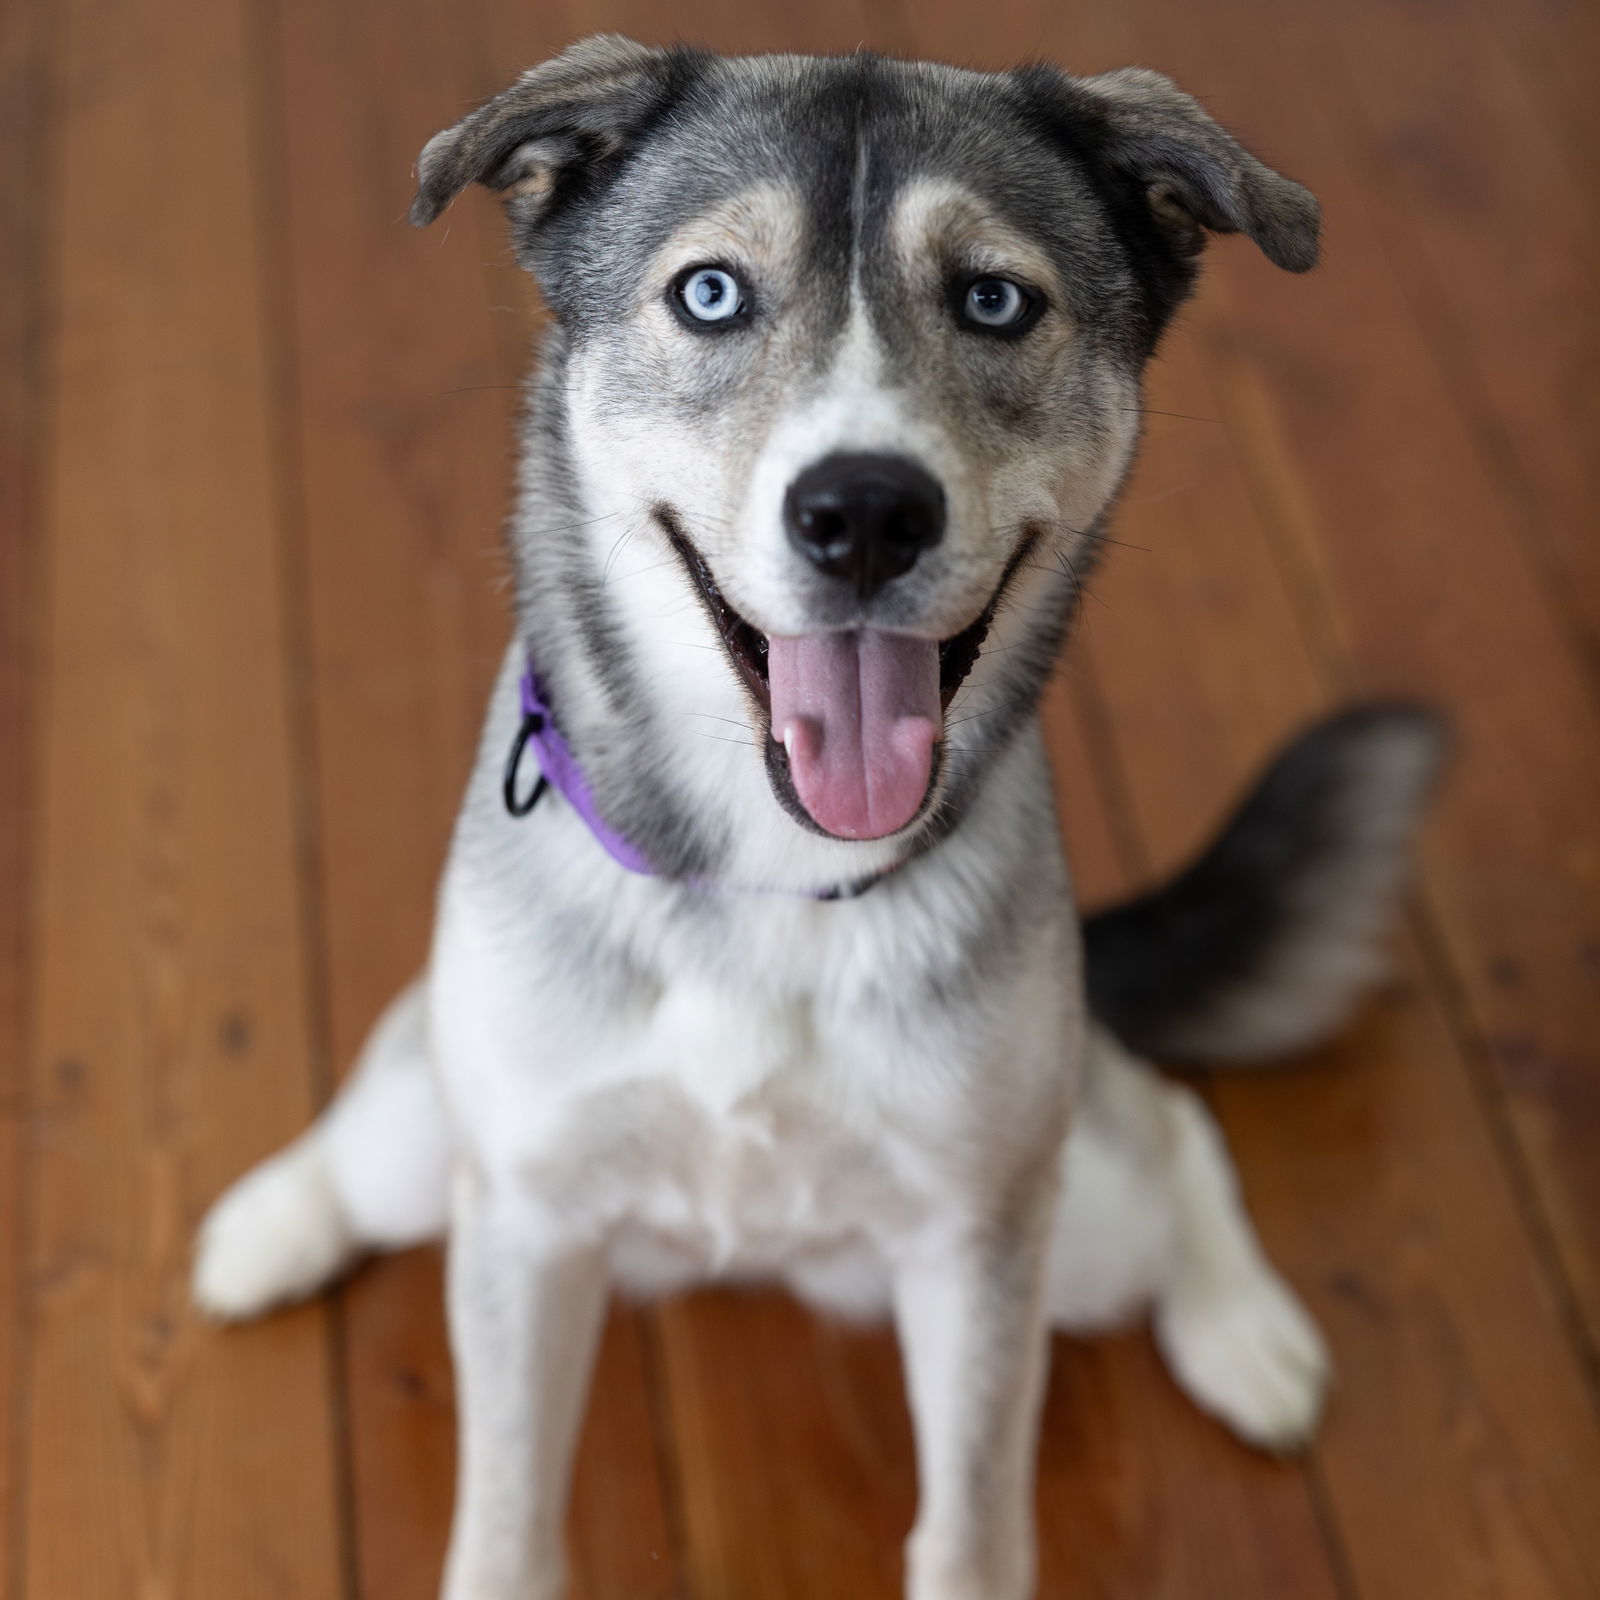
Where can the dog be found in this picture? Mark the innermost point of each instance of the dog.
(756, 954)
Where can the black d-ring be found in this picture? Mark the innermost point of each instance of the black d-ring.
(532, 723)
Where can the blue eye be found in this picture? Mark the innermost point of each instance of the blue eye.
(711, 294)
(997, 303)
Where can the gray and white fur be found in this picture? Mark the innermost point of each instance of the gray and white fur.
(896, 1103)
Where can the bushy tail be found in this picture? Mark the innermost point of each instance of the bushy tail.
(1263, 946)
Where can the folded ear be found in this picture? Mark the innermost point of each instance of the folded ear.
(1196, 175)
(564, 117)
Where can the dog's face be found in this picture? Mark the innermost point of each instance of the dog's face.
(865, 339)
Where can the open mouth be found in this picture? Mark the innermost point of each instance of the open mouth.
(854, 721)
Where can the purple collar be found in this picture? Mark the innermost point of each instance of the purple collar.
(560, 770)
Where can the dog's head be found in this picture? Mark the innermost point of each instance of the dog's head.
(862, 341)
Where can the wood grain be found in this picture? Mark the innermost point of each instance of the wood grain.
(163, 1457)
(792, 1449)
(1485, 217)
(22, 214)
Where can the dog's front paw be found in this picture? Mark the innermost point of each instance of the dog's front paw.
(936, 1570)
(547, 1582)
(1247, 1352)
(277, 1235)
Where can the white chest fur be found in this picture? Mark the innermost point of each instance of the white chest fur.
(712, 1136)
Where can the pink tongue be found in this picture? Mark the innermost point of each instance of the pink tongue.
(859, 714)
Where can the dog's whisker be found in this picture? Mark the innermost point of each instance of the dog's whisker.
(1164, 494)
(711, 716)
(616, 550)
(566, 527)
(1152, 411)
(655, 566)
(1121, 544)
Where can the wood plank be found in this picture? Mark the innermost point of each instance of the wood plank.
(402, 432)
(1448, 1336)
(733, 27)
(163, 1457)
(1553, 44)
(1489, 229)
(1096, 845)
(793, 1450)
(23, 129)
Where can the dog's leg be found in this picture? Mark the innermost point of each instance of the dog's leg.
(1150, 1215)
(972, 1328)
(526, 1307)
(1232, 1331)
(371, 1174)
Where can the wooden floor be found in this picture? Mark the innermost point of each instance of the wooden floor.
(253, 459)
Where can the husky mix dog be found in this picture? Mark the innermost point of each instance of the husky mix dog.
(782, 975)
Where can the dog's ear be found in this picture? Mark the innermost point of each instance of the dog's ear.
(1195, 175)
(567, 117)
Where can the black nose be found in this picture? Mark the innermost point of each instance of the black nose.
(864, 518)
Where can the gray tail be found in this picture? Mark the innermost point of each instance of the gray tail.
(1263, 946)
